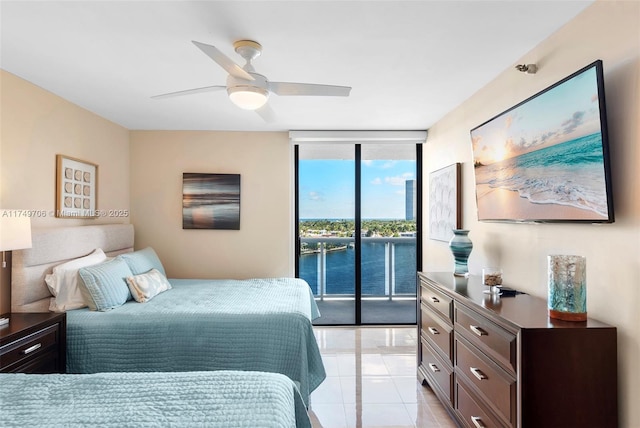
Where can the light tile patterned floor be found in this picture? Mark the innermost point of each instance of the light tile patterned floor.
(371, 381)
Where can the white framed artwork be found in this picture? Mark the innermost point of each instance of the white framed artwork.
(76, 188)
(444, 202)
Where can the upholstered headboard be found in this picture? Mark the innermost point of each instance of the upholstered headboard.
(52, 246)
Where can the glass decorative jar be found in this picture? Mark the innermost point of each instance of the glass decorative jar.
(567, 280)
(492, 278)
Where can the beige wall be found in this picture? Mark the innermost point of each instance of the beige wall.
(609, 31)
(263, 245)
(35, 126)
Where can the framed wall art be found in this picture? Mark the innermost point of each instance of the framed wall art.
(210, 201)
(444, 202)
(76, 188)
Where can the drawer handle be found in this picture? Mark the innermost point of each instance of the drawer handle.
(433, 330)
(434, 299)
(434, 368)
(477, 421)
(30, 349)
(477, 330)
(478, 373)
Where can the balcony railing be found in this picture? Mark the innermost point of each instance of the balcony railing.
(321, 246)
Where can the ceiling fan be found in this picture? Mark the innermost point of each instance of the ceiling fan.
(250, 90)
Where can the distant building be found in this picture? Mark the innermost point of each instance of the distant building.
(410, 200)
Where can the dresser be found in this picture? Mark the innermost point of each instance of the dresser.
(33, 343)
(502, 362)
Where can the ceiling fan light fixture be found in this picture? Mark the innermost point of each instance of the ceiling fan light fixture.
(248, 98)
(250, 90)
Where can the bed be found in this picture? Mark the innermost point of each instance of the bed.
(221, 399)
(256, 324)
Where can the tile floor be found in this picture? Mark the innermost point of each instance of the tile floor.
(371, 381)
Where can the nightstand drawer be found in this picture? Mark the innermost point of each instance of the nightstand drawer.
(44, 363)
(31, 346)
(486, 377)
(439, 333)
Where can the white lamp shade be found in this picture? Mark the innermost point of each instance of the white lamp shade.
(248, 98)
(15, 230)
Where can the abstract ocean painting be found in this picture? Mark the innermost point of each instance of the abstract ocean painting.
(210, 201)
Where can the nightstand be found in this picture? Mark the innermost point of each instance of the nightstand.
(33, 343)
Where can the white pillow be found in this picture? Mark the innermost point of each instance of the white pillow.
(63, 282)
(146, 286)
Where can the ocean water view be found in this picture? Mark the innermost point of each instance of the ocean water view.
(340, 267)
(569, 173)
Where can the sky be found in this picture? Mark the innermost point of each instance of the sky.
(568, 111)
(327, 188)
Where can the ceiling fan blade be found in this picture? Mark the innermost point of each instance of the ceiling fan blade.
(190, 91)
(223, 61)
(288, 88)
(266, 113)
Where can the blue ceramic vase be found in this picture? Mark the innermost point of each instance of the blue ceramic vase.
(461, 247)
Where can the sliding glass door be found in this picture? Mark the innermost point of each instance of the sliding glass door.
(388, 228)
(326, 220)
(357, 207)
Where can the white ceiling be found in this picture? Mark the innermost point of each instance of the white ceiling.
(409, 63)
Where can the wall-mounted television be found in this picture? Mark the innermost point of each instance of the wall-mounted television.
(547, 158)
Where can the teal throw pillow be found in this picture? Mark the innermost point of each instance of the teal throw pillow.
(142, 261)
(105, 285)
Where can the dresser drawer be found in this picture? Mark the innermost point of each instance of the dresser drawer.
(31, 347)
(438, 301)
(472, 414)
(437, 370)
(438, 332)
(490, 379)
(492, 339)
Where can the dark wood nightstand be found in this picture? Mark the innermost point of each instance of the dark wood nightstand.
(34, 343)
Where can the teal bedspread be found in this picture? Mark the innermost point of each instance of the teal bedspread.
(258, 324)
(222, 399)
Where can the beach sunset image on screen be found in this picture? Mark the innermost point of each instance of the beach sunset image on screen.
(546, 158)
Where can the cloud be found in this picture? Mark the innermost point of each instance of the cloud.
(475, 141)
(316, 196)
(570, 125)
(376, 181)
(523, 142)
(508, 121)
(399, 180)
(547, 136)
(367, 162)
(388, 164)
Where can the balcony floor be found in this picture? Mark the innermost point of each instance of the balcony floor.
(342, 312)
